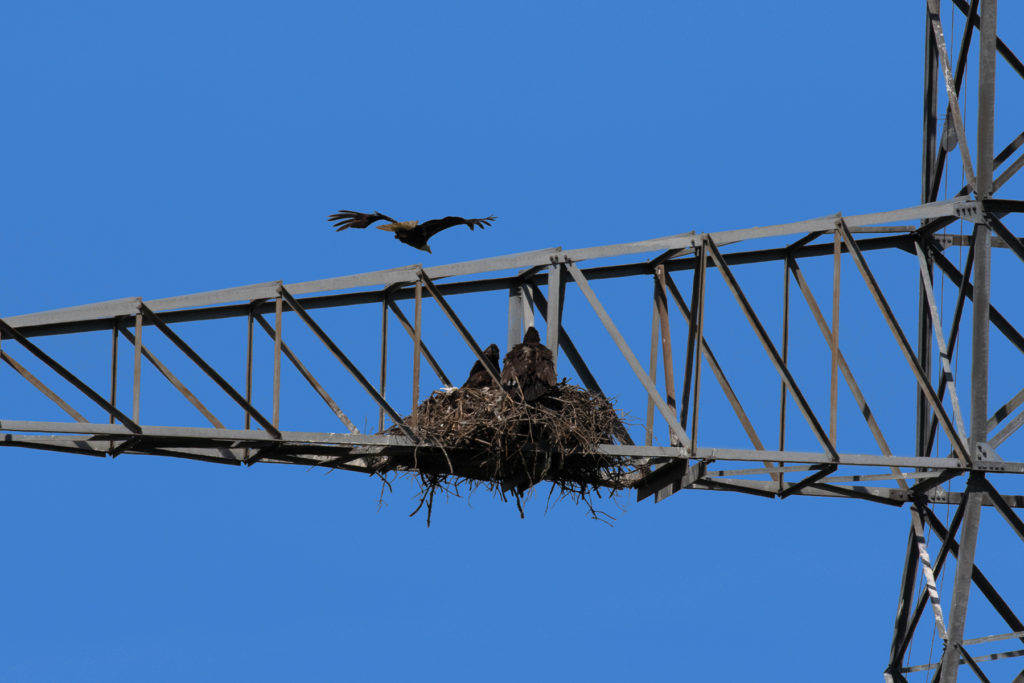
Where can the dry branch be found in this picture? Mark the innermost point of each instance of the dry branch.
(486, 437)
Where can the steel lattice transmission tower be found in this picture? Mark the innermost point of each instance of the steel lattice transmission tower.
(675, 387)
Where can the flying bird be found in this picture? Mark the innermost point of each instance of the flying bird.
(478, 375)
(529, 367)
(413, 233)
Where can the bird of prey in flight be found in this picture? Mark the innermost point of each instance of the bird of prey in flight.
(413, 233)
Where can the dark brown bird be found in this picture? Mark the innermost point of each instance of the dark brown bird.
(478, 375)
(529, 368)
(413, 233)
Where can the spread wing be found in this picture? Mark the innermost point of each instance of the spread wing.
(354, 219)
(432, 227)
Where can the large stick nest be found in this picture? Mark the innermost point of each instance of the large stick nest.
(487, 437)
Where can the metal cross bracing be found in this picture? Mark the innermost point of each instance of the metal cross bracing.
(809, 384)
(530, 284)
(699, 291)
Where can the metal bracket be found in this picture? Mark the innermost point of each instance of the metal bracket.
(971, 211)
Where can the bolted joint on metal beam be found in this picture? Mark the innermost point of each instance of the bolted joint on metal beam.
(971, 211)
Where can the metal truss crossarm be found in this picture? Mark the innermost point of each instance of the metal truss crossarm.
(555, 303)
(812, 480)
(785, 347)
(723, 382)
(344, 360)
(901, 339)
(662, 328)
(954, 331)
(235, 302)
(691, 372)
(571, 352)
(844, 367)
(417, 344)
(170, 376)
(773, 353)
(8, 331)
(210, 372)
(515, 315)
(716, 369)
(944, 353)
(858, 492)
(620, 342)
(655, 335)
(670, 478)
(680, 471)
(461, 328)
(45, 390)
(383, 358)
(304, 371)
(578, 364)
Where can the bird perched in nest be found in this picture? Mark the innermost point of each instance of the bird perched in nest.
(478, 375)
(529, 368)
(413, 233)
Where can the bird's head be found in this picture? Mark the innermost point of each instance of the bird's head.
(531, 336)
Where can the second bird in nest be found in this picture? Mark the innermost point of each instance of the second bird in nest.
(478, 375)
(529, 368)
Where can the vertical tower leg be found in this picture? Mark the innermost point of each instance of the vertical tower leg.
(979, 345)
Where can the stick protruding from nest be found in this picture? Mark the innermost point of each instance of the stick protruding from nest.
(485, 437)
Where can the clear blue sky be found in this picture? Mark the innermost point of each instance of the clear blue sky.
(161, 149)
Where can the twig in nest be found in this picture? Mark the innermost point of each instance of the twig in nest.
(485, 437)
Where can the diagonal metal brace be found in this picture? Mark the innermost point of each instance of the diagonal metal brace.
(766, 341)
(310, 379)
(9, 331)
(620, 341)
(954, 105)
(38, 384)
(349, 365)
(463, 332)
(980, 580)
(901, 339)
(957, 278)
(434, 365)
(210, 372)
(177, 383)
(578, 364)
(1012, 241)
